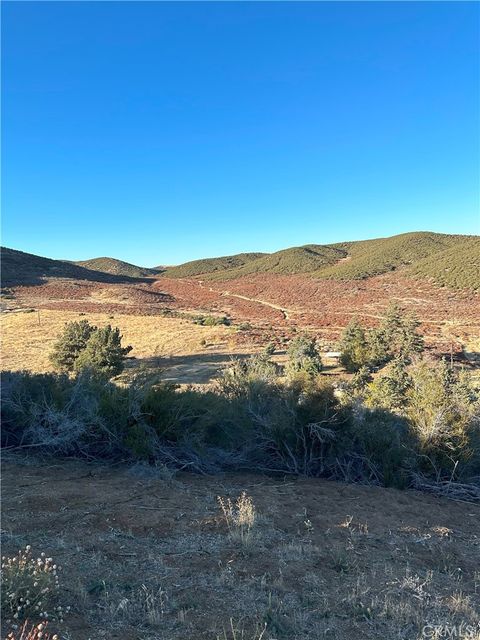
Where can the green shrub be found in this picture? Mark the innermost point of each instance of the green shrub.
(354, 347)
(303, 358)
(103, 353)
(247, 376)
(396, 337)
(444, 413)
(211, 321)
(70, 344)
(420, 418)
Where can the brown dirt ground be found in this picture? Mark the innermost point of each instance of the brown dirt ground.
(147, 556)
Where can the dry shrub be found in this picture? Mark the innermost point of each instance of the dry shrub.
(234, 632)
(239, 516)
(30, 631)
(30, 587)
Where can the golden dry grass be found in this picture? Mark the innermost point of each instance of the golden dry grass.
(28, 338)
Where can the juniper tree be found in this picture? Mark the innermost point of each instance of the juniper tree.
(103, 353)
(354, 347)
(70, 344)
(303, 357)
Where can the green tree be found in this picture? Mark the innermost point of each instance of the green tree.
(103, 353)
(443, 410)
(70, 344)
(378, 347)
(354, 347)
(410, 341)
(388, 391)
(303, 357)
(399, 334)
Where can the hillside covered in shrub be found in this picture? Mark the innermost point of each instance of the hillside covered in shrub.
(211, 265)
(449, 260)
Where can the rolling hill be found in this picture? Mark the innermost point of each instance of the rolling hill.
(20, 268)
(449, 260)
(373, 257)
(117, 267)
(306, 259)
(211, 265)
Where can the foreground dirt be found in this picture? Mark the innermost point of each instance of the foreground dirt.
(148, 556)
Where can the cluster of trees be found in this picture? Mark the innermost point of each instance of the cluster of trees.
(83, 346)
(397, 337)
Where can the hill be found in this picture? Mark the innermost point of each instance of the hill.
(117, 267)
(211, 265)
(457, 267)
(449, 260)
(20, 268)
(306, 259)
(373, 257)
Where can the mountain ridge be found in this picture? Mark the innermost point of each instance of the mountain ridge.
(450, 260)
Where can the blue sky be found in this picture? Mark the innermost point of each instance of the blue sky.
(160, 132)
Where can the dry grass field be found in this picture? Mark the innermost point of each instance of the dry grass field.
(145, 555)
(28, 338)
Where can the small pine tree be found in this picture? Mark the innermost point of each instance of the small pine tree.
(354, 347)
(303, 357)
(70, 344)
(389, 390)
(103, 353)
(411, 342)
(399, 334)
(378, 348)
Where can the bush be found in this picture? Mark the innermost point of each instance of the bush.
(303, 358)
(30, 587)
(354, 347)
(422, 418)
(211, 321)
(103, 353)
(396, 337)
(444, 413)
(245, 377)
(70, 344)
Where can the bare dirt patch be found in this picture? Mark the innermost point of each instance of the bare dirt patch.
(147, 556)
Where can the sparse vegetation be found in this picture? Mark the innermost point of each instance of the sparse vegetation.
(30, 631)
(30, 587)
(239, 516)
(212, 321)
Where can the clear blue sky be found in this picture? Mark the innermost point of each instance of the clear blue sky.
(162, 132)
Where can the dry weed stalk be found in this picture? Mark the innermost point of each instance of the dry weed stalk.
(234, 633)
(239, 516)
(30, 631)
